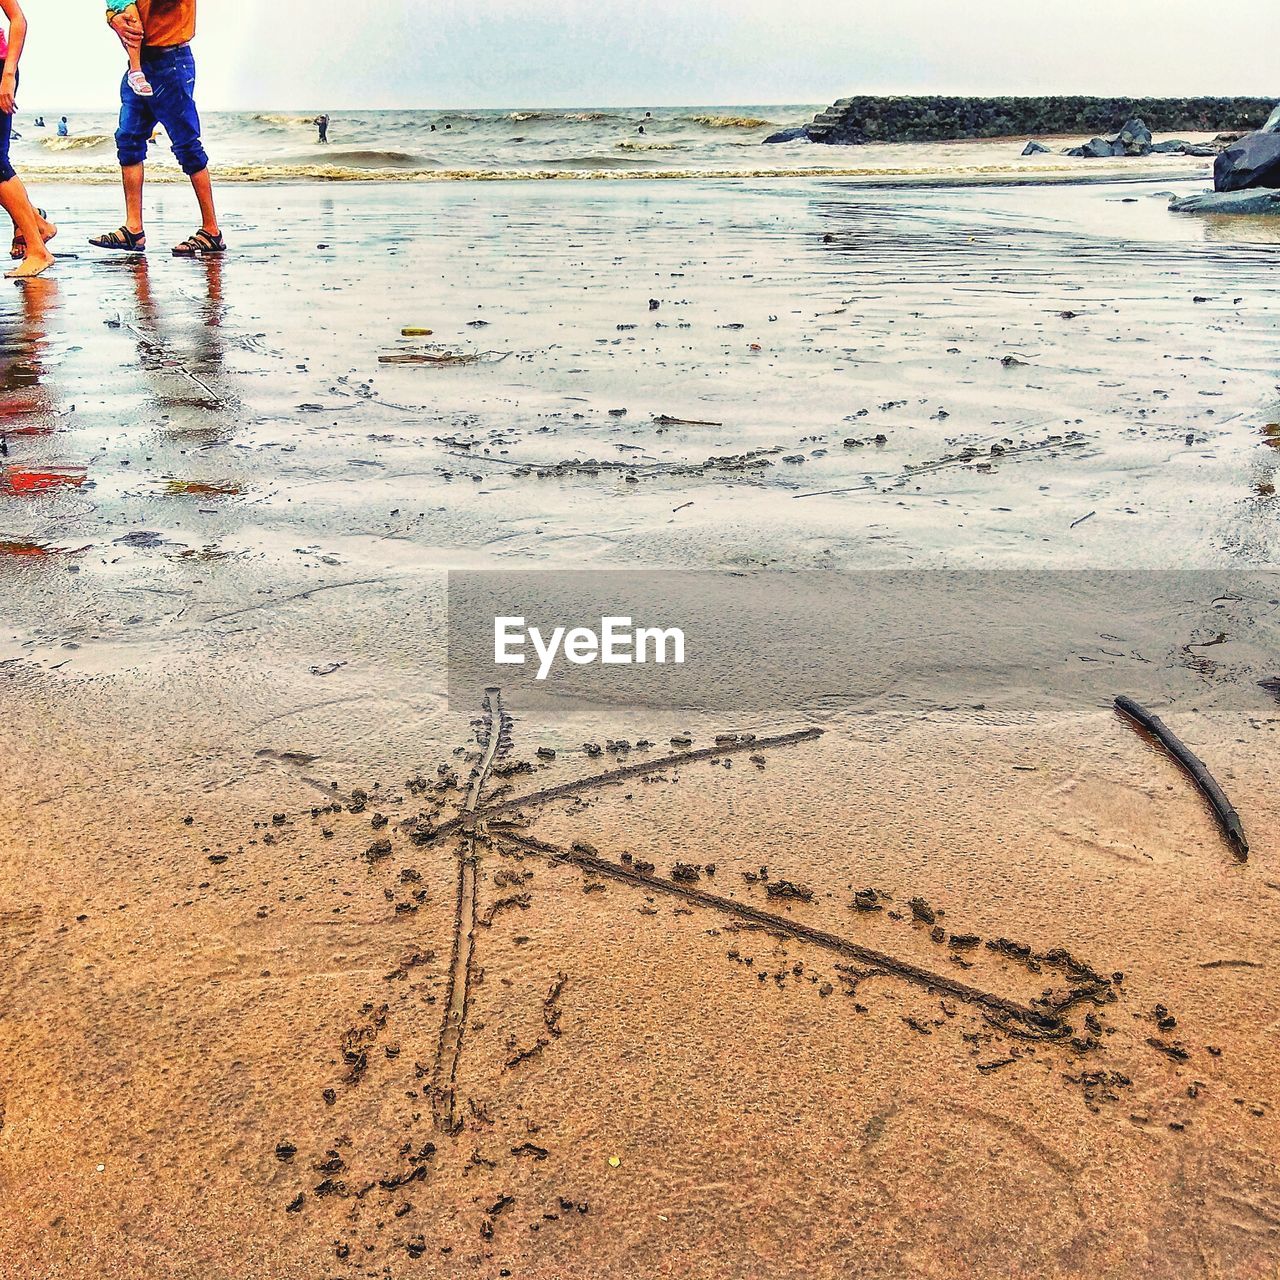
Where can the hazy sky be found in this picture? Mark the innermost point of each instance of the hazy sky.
(433, 53)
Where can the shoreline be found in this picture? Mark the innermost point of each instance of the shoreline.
(993, 176)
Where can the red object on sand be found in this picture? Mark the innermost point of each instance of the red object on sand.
(28, 480)
(19, 407)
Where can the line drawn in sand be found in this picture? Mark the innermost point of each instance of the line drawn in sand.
(480, 825)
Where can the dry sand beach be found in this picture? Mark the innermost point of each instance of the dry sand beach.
(308, 971)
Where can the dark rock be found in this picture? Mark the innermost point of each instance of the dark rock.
(1252, 162)
(933, 118)
(790, 135)
(1257, 201)
(1134, 138)
(1096, 149)
(1035, 149)
(1273, 122)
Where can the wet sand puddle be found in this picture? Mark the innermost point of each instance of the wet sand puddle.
(769, 376)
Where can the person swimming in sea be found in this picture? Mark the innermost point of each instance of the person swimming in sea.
(136, 77)
(64, 130)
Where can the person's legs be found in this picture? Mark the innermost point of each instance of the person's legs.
(137, 124)
(133, 177)
(202, 185)
(26, 222)
(173, 75)
(136, 80)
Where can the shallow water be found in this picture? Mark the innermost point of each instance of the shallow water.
(1024, 377)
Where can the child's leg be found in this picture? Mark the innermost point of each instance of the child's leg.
(135, 55)
(137, 77)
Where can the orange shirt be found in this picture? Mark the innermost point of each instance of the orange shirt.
(167, 22)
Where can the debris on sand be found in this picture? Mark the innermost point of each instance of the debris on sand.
(34, 550)
(1174, 1051)
(204, 489)
(440, 359)
(1195, 767)
(665, 420)
(551, 1005)
(791, 892)
(923, 912)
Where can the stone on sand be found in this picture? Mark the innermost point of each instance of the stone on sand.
(1254, 161)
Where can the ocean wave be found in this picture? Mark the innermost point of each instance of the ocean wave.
(572, 117)
(282, 121)
(638, 144)
(358, 158)
(79, 142)
(728, 122)
(338, 167)
(576, 163)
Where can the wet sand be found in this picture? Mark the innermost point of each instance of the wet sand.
(231, 624)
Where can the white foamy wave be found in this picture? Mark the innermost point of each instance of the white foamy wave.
(80, 142)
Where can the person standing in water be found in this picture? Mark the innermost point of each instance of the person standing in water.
(163, 31)
(322, 127)
(31, 231)
(64, 129)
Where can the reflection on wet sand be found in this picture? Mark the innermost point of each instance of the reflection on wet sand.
(26, 406)
(182, 337)
(1241, 230)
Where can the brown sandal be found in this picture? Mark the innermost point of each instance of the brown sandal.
(18, 249)
(200, 244)
(124, 240)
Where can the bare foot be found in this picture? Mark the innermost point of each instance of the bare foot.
(32, 265)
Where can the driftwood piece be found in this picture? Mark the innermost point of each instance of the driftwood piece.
(1195, 767)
